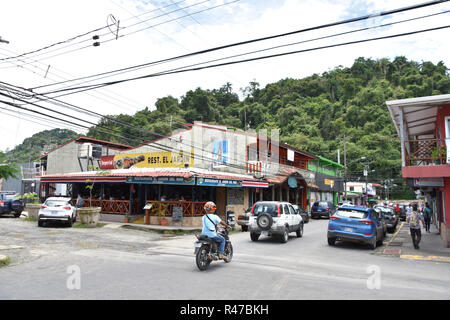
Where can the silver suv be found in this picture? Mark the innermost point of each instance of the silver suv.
(274, 218)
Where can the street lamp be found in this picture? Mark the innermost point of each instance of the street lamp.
(345, 174)
(3, 40)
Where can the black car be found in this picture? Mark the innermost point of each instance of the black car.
(322, 209)
(302, 212)
(10, 203)
(390, 217)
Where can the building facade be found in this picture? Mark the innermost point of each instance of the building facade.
(184, 170)
(328, 180)
(423, 125)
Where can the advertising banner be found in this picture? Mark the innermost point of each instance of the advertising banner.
(178, 159)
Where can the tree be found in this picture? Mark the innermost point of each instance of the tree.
(8, 170)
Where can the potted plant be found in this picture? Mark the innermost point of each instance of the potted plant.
(162, 213)
(438, 153)
(32, 204)
(90, 215)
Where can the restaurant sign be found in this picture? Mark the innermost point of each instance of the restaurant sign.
(218, 182)
(162, 180)
(177, 159)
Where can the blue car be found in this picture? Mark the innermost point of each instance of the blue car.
(350, 223)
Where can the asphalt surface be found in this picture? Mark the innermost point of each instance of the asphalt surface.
(117, 263)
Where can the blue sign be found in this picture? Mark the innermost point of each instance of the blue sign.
(292, 182)
(218, 182)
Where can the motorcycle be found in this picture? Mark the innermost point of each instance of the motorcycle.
(206, 249)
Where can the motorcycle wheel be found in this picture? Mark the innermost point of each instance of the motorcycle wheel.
(228, 253)
(202, 258)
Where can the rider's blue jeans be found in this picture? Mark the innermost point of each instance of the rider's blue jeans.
(221, 244)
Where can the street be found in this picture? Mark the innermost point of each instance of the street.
(118, 263)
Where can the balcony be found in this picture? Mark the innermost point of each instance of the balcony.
(425, 158)
(425, 152)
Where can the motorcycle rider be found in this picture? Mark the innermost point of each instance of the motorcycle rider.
(209, 223)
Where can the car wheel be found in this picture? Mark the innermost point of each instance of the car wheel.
(244, 228)
(373, 243)
(17, 214)
(285, 235)
(69, 222)
(299, 231)
(40, 223)
(331, 241)
(254, 236)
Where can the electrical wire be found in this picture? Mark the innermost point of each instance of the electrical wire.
(327, 25)
(197, 67)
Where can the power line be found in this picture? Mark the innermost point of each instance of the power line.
(197, 67)
(346, 21)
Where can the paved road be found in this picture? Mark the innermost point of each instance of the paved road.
(118, 263)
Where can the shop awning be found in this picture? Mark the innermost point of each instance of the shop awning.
(180, 177)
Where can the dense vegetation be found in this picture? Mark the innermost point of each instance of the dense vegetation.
(31, 148)
(312, 113)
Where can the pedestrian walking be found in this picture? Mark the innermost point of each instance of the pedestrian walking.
(414, 219)
(80, 201)
(427, 217)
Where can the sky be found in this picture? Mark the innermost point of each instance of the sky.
(137, 32)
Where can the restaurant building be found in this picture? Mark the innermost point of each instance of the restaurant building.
(176, 175)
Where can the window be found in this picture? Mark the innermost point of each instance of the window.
(286, 209)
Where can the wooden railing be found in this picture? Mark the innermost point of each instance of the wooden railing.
(421, 152)
(190, 208)
(111, 206)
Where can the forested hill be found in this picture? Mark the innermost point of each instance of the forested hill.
(312, 113)
(30, 149)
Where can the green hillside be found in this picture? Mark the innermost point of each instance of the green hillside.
(30, 149)
(312, 113)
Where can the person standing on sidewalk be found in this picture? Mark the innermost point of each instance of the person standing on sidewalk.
(427, 217)
(414, 219)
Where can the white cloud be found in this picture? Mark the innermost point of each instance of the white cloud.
(48, 21)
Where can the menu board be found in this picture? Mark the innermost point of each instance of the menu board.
(177, 213)
(235, 196)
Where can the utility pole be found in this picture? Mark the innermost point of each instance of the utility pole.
(345, 169)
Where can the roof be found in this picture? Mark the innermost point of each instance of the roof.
(119, 175)
(419, 114)
(111, 145)
(330, 162)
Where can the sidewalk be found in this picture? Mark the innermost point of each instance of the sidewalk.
(150, 227)
(431, 245)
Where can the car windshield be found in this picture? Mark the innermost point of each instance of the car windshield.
(321, 204)
(351, 213)
(56, 203)
(386, 210)
(270, 208)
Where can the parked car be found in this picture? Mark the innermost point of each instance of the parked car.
(352, 223)
(402, 216)
(274, 218)
(57, 209)
(302, 212)
(243, 219)
(10, 203)
(322, 209)
(390, 217)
